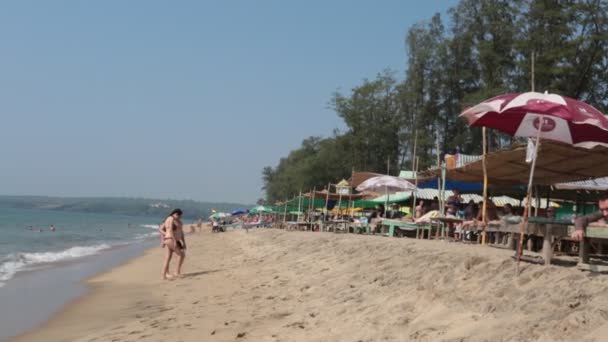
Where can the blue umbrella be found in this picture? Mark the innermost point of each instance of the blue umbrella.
(240, 212)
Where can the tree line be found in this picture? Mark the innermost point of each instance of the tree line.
(481, 49)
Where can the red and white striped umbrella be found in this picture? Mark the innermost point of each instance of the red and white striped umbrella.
(559, 118)
(544, 116)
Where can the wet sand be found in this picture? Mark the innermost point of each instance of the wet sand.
(272, 285)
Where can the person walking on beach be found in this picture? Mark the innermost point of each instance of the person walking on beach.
(173, 239)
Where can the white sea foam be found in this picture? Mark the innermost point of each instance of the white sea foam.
(151, 226)
(145, 236)
(14, 263)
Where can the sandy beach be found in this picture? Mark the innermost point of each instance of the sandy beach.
(272, 285)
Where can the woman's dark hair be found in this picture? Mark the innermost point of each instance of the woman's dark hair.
(177, 211)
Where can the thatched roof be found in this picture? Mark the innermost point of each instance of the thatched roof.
(556, 163)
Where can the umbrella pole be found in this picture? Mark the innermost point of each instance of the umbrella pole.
(299, 205)
(327, 201)
(439, 167)
(524, 220)
(485, 187)
(314, 190)
(415, 169)
(285, 212)
(385, 200)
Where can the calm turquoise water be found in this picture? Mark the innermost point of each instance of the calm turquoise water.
(26, 241)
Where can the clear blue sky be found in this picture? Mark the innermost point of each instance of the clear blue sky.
(179, 99)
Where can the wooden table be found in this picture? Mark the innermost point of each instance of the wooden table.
(298, 225)
(443, 222)
(404, 225)
(357, 226)
(338, 223)
(550, 230)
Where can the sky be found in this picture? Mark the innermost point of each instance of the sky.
(180, 99)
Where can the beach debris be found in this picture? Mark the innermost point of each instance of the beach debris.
(213, 332)
(241, 335)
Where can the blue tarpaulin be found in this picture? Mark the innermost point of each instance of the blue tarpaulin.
(464, 187)
(240, 212)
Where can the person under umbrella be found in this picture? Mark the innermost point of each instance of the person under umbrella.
(541, 116)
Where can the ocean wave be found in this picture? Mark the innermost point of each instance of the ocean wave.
(14, 263)
(146, 236)
(150, 226)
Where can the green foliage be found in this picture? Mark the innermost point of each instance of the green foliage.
(483, 50)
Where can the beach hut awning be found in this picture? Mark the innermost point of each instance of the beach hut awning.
(322, 195)
(598, 184)
(556, 163)
(359, 177)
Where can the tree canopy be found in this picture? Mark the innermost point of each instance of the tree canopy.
(482, 49)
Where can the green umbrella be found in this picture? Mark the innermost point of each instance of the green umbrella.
(260, 209)
(219, 215)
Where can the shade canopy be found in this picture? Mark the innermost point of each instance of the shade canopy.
(322, 195)
(360, 177)
(260, 209)
(550, 116)
(386, 184)
(556, 163)
(240, 212)
(598, 184)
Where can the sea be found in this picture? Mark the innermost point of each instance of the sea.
(45, 255)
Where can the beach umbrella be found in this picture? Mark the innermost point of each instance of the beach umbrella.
(387, 185)
(219, 215)
(260, 209)
(240, 212)
(540, 116)
(547, 116)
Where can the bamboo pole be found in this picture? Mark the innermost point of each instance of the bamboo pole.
(327, 201)
(299, 205)
(532, 72)
(415, 192)
(339, 201)
(314, 191)
(524, 221)
(285, 211)
(484, 217)
(415, 169)
(441, 206)
(536, 200)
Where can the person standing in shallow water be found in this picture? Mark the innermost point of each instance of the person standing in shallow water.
(173, 238)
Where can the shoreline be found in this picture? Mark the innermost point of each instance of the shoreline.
(71, 312)
(56, 286)
(272, 285)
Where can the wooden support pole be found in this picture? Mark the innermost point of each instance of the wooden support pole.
(584, 251)
(548, 244)
(484, 217)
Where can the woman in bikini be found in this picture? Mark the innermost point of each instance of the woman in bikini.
(173, 238)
